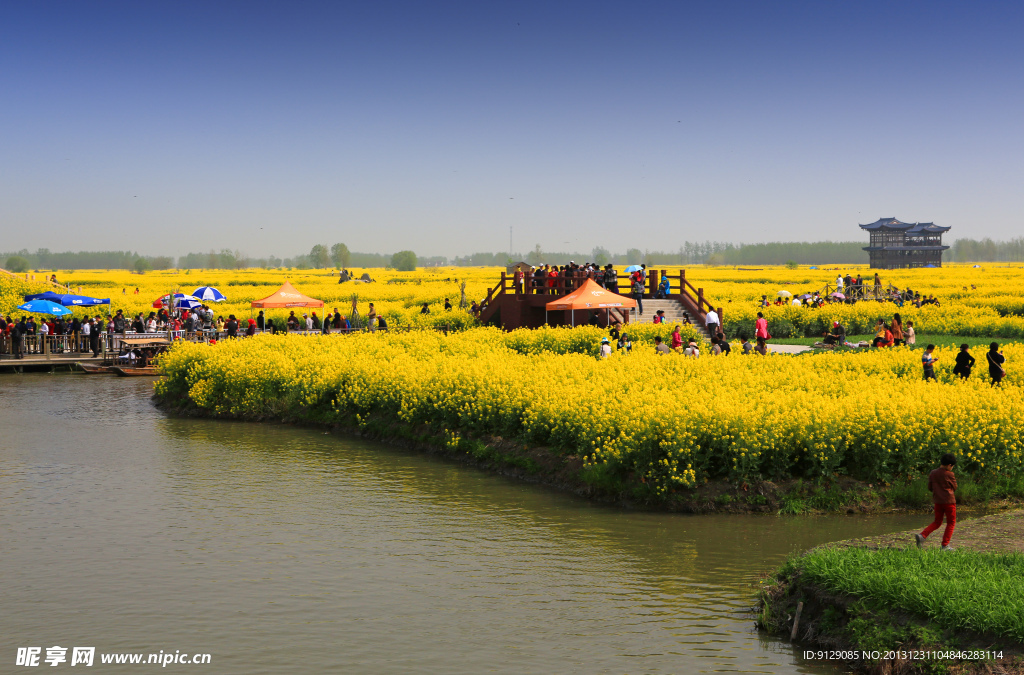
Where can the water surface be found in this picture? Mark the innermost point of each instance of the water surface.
(282, 550)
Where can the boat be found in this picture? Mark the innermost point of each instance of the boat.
(129, 371)
(93, 369)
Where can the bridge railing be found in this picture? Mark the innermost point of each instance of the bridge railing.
(680, 288)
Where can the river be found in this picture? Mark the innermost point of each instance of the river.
(278, 549)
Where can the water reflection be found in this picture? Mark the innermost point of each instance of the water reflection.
(279, 549)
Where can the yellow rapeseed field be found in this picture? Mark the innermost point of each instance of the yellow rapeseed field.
(657, 422)
(975, 301)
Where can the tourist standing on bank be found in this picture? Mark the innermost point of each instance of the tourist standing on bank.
(942, 484)
(964, 362)
(996, 360)
(94, 337)
(83, 332)
(18, 334)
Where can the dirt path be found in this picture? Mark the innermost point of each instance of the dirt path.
(997, 533)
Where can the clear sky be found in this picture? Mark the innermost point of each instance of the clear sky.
(268, 127)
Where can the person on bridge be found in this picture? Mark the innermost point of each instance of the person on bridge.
(659, 316)
(664, 288)
(638, 293)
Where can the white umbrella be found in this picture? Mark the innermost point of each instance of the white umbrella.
(209, 294)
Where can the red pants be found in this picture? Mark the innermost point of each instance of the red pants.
(948, 510)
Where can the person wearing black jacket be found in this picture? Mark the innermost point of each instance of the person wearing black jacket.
(995, 359)
(18, 333)
(231, 326)
(964, 362)
(94, 337)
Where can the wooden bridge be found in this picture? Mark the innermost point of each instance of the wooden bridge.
(514, 305)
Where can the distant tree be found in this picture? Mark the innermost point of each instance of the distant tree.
(340, 255)
(715, 259)
(635, 256)
(319, 257)
(536, 256)
(141, 265)
(17, 264)
(791, 264)
(601, 255)
(162, 262)
(404, 261)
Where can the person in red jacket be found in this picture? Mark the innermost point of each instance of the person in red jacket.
(942, 484)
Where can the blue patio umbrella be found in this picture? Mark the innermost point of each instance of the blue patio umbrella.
(187, 303)
(631, 269)
(68, 300)
(44, 307)
(209, 294)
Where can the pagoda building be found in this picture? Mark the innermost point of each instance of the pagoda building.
(895, 245)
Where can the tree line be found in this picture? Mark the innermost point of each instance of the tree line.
(339, 256)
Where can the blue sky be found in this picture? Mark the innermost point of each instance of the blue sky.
(268, 127)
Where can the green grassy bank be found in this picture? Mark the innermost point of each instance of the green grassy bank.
(883, 605)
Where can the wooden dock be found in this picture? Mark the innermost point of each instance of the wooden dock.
(53, 363)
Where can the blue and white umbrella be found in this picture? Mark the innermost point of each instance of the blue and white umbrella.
(632, 268)
(209, 294)
(187, 303)
(45, 307)
(68, 300)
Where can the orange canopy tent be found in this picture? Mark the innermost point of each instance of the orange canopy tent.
(589, 296)
(287, 296)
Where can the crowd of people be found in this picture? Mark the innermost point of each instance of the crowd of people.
(964, 363)
(677, 345)
(556, 279)
(852, 289)
(26, 334)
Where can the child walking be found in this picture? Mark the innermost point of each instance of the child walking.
(928, 360)
(942, 484)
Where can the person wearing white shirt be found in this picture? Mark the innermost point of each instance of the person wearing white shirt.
(711, 322)
(151, 326)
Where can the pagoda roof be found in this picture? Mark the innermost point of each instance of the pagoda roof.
(909, 228)
(906, 248)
